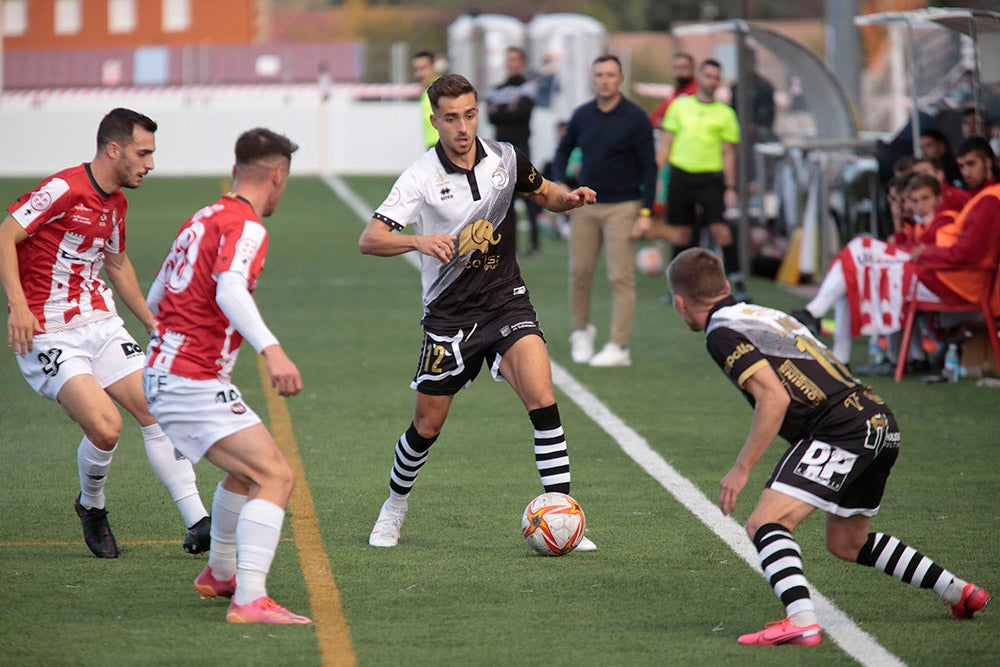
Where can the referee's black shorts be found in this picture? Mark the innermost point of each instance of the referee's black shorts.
(694, 199)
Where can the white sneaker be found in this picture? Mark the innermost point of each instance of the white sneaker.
(586, 545)
(581, 343)
(612, 355)
(385, 533)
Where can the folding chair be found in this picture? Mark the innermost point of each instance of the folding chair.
(914, 306)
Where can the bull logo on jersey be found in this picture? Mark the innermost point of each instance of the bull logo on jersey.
(480, 235)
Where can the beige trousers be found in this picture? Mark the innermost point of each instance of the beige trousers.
(610, 225)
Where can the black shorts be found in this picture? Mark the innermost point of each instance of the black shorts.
(690, 194)
(845, 477)
(451, 359)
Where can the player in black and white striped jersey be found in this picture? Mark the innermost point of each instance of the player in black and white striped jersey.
(843, 443)
(476, 307)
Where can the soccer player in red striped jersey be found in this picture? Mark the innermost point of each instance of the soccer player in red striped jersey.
(70, 343)
(204, 308)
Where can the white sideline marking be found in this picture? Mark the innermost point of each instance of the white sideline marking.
(857, 643)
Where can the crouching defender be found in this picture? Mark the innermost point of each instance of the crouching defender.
(844, 441)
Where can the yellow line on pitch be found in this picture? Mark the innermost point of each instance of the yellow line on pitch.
(332, 631)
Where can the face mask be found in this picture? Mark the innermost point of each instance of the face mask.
(921, 219)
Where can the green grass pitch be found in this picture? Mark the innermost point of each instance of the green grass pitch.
(463, 588)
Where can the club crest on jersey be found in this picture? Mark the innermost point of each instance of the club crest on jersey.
(499, 178)
(40, 200)
(246, 248)
(480, 235)
(237, 408)
(393, 198)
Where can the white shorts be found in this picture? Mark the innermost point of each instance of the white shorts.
(195, 414)
(103, 349)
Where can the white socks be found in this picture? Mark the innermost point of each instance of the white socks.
(804, 618)
(257, 533)
(398, 501)
(832, 289)
(952, 593)
(226, 507)
(174, 472)
(92, 464)
(842, 331)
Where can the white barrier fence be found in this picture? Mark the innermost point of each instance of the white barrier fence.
(344, 129)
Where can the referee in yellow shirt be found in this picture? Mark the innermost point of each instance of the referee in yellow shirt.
(699, 141)
(425, 72)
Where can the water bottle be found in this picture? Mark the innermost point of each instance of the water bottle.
(951, 363)
(875, 353)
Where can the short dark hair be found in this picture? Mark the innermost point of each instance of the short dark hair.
(423, 54)
(903, 164)
(519, 51)
(118, 126)
(917, 181)
(978, 145)
(897, 183)
(709, 62)
(697, 274)
(934, 162)
(935, 134)
(260, 143)
(608, 57)
(450, 86)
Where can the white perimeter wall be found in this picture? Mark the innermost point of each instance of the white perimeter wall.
(42, 132)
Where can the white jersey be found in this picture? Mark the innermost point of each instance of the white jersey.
(438, 197)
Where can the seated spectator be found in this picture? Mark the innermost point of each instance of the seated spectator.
(971, 242)
(951, 197)
(903, 166)
(868, 280)
(934, 144)
(899, 206)
(969, 128)
(977, 163)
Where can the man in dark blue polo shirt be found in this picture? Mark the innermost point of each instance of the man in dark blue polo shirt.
(619, 162)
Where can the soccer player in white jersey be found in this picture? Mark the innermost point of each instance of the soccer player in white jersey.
(476, 306)
(72, 347)
(204, 308)
(843, 441)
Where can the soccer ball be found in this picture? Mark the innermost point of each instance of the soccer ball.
(649, 260)
(553, 524)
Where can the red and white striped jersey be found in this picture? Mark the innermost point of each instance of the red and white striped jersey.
(196, 339)
(71, 223)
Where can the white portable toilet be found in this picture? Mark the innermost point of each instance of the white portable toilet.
(561, 48)
(477, 48)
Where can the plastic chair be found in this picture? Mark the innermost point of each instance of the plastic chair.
(914, 305)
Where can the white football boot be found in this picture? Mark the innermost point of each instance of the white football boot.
(385, 533)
